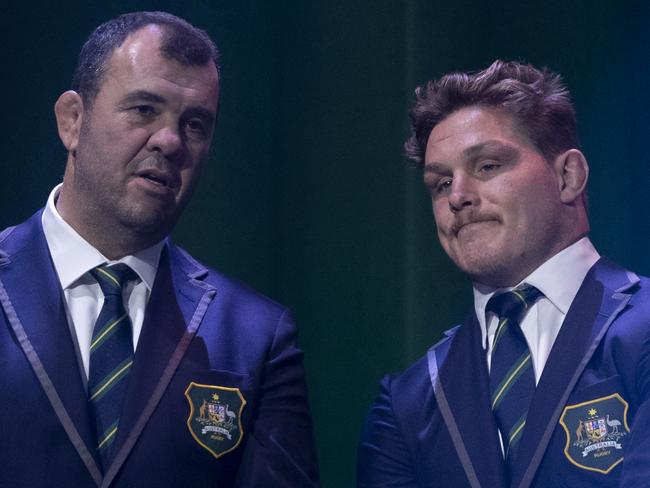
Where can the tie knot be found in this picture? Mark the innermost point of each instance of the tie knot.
(112, 279)
(514, 303)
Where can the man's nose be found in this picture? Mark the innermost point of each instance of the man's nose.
(463, 193)
(166, 140)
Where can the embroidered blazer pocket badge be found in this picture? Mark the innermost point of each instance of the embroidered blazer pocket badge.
(215, 417)
(596, 433)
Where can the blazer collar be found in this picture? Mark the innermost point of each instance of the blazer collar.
(603, 295)
(42, 330)
(178, 303)
(460, 382)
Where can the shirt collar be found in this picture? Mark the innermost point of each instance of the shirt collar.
(73, 256)
(559, 279)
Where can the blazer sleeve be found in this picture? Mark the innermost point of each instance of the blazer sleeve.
(383, 457)
(280, 450)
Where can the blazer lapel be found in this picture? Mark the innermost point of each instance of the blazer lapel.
(598, 302)
(178, 302)
(461, 387)
(33, 303)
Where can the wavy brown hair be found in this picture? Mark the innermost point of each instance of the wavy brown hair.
(537, 99)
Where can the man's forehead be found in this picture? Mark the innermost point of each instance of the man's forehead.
(142, 50)
(473, 129)
(468, 120)
(138, 51)
(139, 62)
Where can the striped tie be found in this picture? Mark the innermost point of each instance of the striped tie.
(111, 357)
(512, 380)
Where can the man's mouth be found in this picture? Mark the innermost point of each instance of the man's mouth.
(157, 177)
(458, 226)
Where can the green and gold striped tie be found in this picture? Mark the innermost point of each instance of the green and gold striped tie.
(512, 379)
(111, 357)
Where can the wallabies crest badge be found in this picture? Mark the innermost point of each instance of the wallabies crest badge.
(596, 433)
(215, 417)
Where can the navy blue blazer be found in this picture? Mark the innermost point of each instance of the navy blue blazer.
(216, 396)
(588, 424)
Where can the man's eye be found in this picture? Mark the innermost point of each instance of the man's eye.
(489, 166)
(144, 110)
(197, 127)
(442, 185)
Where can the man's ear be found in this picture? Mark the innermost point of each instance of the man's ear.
(69, 111)
(572, 171)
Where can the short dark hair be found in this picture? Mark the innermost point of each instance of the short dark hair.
(181, 42)
(537, 99)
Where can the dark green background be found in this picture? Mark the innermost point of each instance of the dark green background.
(308, 197)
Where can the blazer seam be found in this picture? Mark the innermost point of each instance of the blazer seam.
(412, 456)
(645, 352)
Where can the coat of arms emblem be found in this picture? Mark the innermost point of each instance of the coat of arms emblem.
(215, 417)
(596, 432)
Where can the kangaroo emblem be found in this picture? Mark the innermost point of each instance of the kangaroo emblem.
(580, 431)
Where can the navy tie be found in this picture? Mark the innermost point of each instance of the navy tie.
(512, 380)
(111, 357)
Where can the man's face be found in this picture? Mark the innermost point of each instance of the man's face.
(496, 199)
(142, 142)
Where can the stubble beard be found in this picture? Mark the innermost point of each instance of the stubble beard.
(487, 265)
(109, 214)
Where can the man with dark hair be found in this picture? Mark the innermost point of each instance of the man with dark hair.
(547, 381)
(125, 362)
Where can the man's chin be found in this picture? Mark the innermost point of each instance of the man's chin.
(485, 268)
(149, 221)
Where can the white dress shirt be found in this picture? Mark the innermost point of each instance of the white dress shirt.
(73, 258)
(559, 279)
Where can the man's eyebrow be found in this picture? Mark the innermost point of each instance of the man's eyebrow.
(143, 96)
(147, 96)
(469, 153)
(491, 145)
(202, 113)
(434, 168)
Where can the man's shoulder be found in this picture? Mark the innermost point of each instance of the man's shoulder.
(614, 276)
(15, 237)
(630, 294)
(617, 281)
(230, 290)
(418, 375)
(641, 293)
